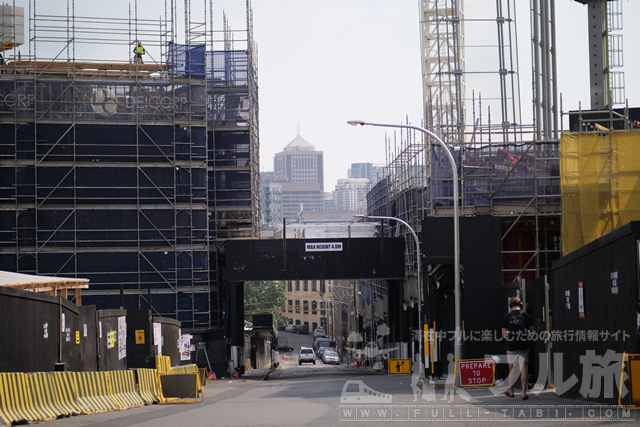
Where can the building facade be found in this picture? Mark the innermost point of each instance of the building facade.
(271, 203)
(351, 194)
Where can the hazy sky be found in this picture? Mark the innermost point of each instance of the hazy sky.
(323, 63)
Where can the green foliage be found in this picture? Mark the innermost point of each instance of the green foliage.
(264, 297)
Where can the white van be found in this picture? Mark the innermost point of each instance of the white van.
(319, 332)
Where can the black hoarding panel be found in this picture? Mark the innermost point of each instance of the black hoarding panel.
(314, 259)
(595, 306)
(111, 339)
(41, 332)
(481, 281)
(170, 334)
(139, 339)
(30, 331)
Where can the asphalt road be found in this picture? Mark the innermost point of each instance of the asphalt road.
(326, 395)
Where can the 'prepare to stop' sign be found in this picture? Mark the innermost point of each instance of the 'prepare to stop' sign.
(476, 373)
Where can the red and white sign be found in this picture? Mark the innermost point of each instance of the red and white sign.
(212, 376)
(581, 300)
(476, 373)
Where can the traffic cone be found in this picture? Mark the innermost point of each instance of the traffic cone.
(284, 356)
(355, 363)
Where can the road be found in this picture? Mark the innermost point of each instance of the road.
(310, 395)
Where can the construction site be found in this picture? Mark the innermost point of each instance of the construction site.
(548, 189)
(128, 171)
(134, 169)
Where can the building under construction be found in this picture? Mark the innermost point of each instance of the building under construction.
(122, 172)
(509, 170)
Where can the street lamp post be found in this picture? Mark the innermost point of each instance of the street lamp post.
(415, 237)
(456, 226)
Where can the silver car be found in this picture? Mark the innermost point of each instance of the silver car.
(330, 356)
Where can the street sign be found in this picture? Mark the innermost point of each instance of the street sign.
(476, 373)
(399, 366)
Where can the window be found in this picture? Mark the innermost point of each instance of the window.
(289, 286)
(306, 286)
(297, 285)
(298, 307)
(305, 307)
(314, 288)
(290, 308)
(314, 308)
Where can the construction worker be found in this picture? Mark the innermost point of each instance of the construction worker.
(138, 51)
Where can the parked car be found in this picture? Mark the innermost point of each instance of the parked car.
(302, 329)
(285, 348)
(306, 354)
(330, 356)
(321, 351)
(319, 332)
(288, 328)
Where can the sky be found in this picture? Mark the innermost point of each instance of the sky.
(323, 63)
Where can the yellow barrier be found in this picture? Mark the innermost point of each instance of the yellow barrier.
(64, 390)
(184, 369)
(203, 373)
(46, 397)
(92, 391)
(15, 399)
(163, 364)
(148, 385)
(123, 389)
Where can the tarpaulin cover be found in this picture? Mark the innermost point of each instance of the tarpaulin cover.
(600, 177)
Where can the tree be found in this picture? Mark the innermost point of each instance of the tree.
(264, 297)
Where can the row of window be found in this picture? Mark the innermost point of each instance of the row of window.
(295, 308)
(305, 285)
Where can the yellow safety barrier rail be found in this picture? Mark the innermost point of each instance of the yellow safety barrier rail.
(630, 363)
(203, 373)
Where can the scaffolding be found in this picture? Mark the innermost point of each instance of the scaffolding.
(107, 165)
(506, 168)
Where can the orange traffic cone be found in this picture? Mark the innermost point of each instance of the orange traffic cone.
(284, 356)
(355, 364)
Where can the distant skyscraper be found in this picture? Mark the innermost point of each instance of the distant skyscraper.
(299, 169)
(300, 162)
(351, 194)
(361, 170)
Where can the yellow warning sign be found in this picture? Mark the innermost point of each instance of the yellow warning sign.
(399, 366)
(140, 336)
(77, 337)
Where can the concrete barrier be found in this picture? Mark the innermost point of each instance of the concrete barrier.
(15, 400)
(46, 398)
(123, 389)
(63, 390)
(92, 391)
(148, 385)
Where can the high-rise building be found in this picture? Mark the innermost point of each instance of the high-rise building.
(351, 194)
(271, 202)
(300, 162)
(299, 169)
(361, 170)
